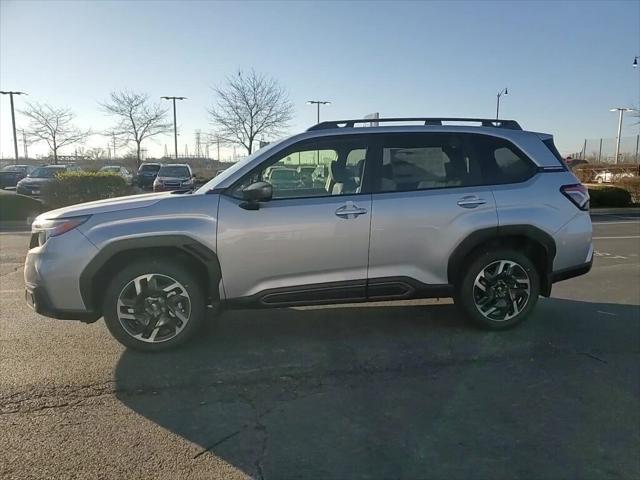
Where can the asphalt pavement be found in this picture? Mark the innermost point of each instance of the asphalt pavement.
(391, 390)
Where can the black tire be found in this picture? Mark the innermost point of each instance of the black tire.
(163, 268)
(467, 294)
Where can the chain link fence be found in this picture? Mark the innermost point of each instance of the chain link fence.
(603, 150)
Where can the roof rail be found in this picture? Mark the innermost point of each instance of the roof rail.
(438, 121)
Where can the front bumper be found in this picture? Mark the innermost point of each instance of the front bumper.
(28, 191)
(571, 272)
(52, 276)
(38, 299)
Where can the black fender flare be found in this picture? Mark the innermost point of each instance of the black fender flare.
(484, 235)
(185, 243)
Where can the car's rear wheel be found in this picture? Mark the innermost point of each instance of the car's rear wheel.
(154, 305)
(499, 289)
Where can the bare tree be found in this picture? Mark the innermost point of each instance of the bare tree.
(53, 125)
(138, 118)
(96, 153)
(250, 105)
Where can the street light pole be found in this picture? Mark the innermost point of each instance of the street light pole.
(175, 125)
(500, 93)
(13, 121)
(318, 103)
(620, 111)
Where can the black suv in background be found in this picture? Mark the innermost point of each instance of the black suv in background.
(32, 184)
(147, 173)
(12, 174)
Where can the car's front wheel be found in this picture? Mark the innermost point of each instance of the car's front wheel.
(499, 289)
(154, 305)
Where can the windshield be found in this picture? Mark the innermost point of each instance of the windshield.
(218, 179)
(149, 168)
(169, 171)
(110, 169)
(46, 172)
(14, 168)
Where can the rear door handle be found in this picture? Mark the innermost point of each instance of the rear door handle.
(350, 210)
(471, 201)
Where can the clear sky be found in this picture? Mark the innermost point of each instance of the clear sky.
(565, 63)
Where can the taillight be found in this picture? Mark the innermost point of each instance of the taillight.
(578, 194)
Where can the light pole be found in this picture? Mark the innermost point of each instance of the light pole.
(500, 93)
(620, 111)
(318, 103)
(13, 121)
(175, 125)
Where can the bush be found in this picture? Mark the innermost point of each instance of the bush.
(79, 187)
(18, 207)
(608, 196)
(632, 185)
(585, 173)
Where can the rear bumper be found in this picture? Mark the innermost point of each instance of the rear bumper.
(38, 299)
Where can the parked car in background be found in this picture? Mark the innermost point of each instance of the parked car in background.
(607, 176)
(12, 174)
(574, 162)
(284, 178)
(32, 184)
(173, 176)
(147, 173)
(306, 174)
(118, 170)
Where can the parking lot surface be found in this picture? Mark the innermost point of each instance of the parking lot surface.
(392, 390)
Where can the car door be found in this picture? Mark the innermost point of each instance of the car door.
(309, 244)
(428, 195)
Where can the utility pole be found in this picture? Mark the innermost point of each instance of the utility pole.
(620, 111)
(175, 125)
(198, 144)
(504, 91)
(13, 120)
(24, 145)
(318, 103)
(113, 145)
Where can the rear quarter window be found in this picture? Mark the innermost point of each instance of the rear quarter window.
(501, 162)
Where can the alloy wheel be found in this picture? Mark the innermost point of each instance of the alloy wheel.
(501, 290)
(154, 308)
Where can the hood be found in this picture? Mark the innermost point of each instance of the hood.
(34, 181)
(108, 205)
(173, 179)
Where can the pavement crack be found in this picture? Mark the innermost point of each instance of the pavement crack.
(219, 442)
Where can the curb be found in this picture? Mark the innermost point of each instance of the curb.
(15, 226)
(615, 211)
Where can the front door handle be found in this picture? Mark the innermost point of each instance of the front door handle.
(471, 201)
(350, 210)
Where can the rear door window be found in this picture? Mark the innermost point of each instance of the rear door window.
(425, 161)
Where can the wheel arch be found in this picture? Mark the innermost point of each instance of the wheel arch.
(536, 243)
(114, 255)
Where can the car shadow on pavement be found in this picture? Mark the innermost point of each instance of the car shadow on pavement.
(403, 392)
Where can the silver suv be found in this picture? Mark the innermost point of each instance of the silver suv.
(478, 210)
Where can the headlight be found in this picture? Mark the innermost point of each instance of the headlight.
(46, 228)
(187, 183)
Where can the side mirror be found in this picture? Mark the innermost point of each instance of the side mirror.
(255, 193)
